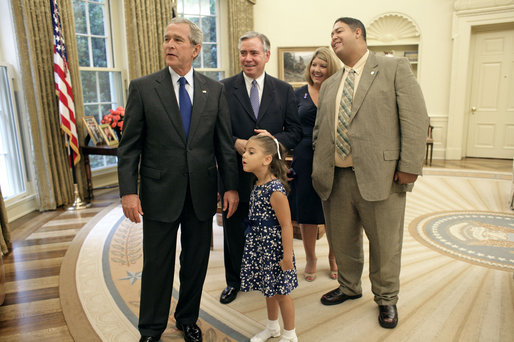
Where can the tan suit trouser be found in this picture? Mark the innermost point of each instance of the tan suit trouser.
(346, 214)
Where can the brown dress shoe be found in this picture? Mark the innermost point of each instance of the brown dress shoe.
(388, 316)
(336, 297)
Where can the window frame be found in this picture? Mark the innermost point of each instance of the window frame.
(222, 53)
(116, 62)
(26, 186)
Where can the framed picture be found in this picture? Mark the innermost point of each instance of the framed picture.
(292, 62)
(93, 130)
(108, 135)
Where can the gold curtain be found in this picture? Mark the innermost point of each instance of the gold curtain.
(145, 23)
(240, 16)
(33, 27)
(5, 236)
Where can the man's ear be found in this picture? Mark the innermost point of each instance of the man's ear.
(357, 32)
(196, 50)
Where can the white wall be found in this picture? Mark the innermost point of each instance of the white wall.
(309, 23)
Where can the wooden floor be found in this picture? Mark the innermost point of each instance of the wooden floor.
(32, 310)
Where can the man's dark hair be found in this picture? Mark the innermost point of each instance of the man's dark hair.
(353, 23)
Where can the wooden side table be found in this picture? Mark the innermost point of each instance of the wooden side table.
(102, 150)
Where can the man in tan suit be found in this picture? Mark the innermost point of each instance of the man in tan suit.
(369, 142)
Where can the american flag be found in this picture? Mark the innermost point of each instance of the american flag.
(63, 86)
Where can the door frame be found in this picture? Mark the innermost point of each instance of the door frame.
(464, 21)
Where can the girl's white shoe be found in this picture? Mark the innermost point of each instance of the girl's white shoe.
(265, 335)
(289, 336)
(290, 339)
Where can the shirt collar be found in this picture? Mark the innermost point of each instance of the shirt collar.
(260, 80)
(359, 66)
(175, 76)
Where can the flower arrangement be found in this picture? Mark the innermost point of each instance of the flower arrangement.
(115, 120)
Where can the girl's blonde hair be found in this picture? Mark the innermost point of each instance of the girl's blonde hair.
(326, 55)
(278, 165)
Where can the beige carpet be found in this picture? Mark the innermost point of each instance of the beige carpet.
(444, 296)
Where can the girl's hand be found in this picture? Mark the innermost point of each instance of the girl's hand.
(286, 264)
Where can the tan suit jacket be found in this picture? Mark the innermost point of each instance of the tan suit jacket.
(387, 129)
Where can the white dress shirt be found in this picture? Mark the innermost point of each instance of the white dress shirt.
(260, 84)
(176, 85)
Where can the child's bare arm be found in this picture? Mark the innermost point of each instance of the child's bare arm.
(280, 205)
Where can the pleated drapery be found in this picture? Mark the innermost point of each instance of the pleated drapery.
(240, 17)
(145, 22)
(34, 35)
(5, 236)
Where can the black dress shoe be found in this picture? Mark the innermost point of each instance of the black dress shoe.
(336, 297)
(388, 316)
(149, 338)
(192, 332)
(228, 295)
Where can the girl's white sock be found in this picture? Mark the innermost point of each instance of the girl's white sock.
(289, 336)
(272, 330)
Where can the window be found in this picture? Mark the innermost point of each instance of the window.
(12, 179)
(204, 13)
(101, 80)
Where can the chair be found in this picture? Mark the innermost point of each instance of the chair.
(430, 144)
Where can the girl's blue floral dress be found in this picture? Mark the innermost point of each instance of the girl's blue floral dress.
(260, 269)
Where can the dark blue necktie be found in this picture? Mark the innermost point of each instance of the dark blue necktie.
(185, 105)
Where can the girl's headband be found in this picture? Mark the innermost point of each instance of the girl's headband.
(278, 148)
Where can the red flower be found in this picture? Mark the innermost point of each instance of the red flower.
(115, 119)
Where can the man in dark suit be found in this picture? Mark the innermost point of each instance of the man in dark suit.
(177, 127)
(258, 104)
(369, 144)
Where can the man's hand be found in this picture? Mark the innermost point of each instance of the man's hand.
(404, 177)
(240, 145)
(132, 207)
(230, 202)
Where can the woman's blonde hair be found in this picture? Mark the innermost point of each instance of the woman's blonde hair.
(326, 55)
(278, 165)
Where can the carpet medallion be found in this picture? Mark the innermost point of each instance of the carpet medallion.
(483, 238)
(456, 223)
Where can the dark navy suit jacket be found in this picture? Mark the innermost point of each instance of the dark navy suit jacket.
(278, 114)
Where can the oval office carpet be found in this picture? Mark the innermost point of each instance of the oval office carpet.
(456, 281)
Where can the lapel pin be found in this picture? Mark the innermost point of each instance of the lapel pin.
(204, 91)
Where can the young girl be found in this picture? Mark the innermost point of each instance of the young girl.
(268, 260)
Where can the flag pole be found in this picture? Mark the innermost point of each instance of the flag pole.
(77, 204)
(66, 103)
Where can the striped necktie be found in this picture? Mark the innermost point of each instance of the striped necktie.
(344, 114)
